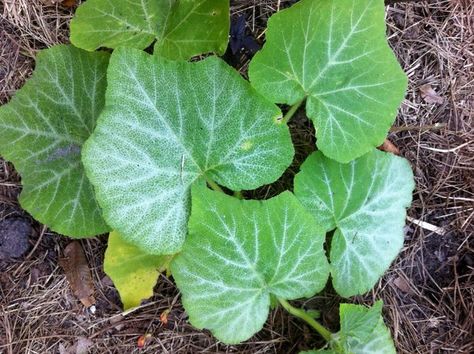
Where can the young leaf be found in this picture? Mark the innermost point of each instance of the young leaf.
(42, 132)
(362, 331)
(238, 253)
(365, 202)
(168, 124)
(133, 272)
(334, 54)
(182, 28)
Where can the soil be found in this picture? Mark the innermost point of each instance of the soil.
(14, 233)
(428, 291)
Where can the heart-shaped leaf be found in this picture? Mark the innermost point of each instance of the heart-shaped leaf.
(42, 132)
(182, 28)
(133, 272)
(167, 124)
(365, 202)
(239, 253)
(334, 54)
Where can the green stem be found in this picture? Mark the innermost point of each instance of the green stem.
(238, 195)
(214, 186)
(292, 111)
(305, 317)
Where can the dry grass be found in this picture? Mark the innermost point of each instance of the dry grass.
(428, 291)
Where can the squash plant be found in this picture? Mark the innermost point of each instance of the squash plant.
(152, 146)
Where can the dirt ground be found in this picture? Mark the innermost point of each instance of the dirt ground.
(428, 291)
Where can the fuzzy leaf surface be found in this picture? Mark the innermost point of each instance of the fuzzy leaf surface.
(167, 124)
(239, 253)
(365, 201)
(182, 28)
(43, 129)
(133, 272)
(334, 54)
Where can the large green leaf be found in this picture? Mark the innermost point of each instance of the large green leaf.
(334, 54)
(362, 331)
(365, 202)
(182, 28)
(167, 124)
(239, 253)
(42, 132)
(133, 272)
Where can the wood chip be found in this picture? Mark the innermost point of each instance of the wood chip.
(78, 274)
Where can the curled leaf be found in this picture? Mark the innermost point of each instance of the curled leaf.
(78, 274)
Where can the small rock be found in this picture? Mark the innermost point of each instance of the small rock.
(14, 234)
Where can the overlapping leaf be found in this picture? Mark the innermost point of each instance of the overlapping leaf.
(365, 202)
(182, 28)
(42, 132)
(167, 124)
(334, 54)
(239, 253)
(363, 331)
(133, 272)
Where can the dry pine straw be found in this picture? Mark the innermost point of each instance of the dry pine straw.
(428, 291)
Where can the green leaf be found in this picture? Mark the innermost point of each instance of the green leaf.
(240, 252)
(358, 321)
(167, 124)
(42, 132)
(333, 53)
(133, 272)
(365, 202)
(362, 331)
(195, 27)
(182, 28)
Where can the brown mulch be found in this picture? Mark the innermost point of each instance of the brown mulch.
(428, 291)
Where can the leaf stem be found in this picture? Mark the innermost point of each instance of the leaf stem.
(326, 334)
(214, 186)
(238, 195)
(292, 111)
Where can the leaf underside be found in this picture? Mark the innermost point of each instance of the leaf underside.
(239, 253)
(166, 125)
(42, 132)
(365, 201)
(133, 272)
(181, 28)
(333, 53)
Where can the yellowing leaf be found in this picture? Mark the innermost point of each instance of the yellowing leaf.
(133, 272)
